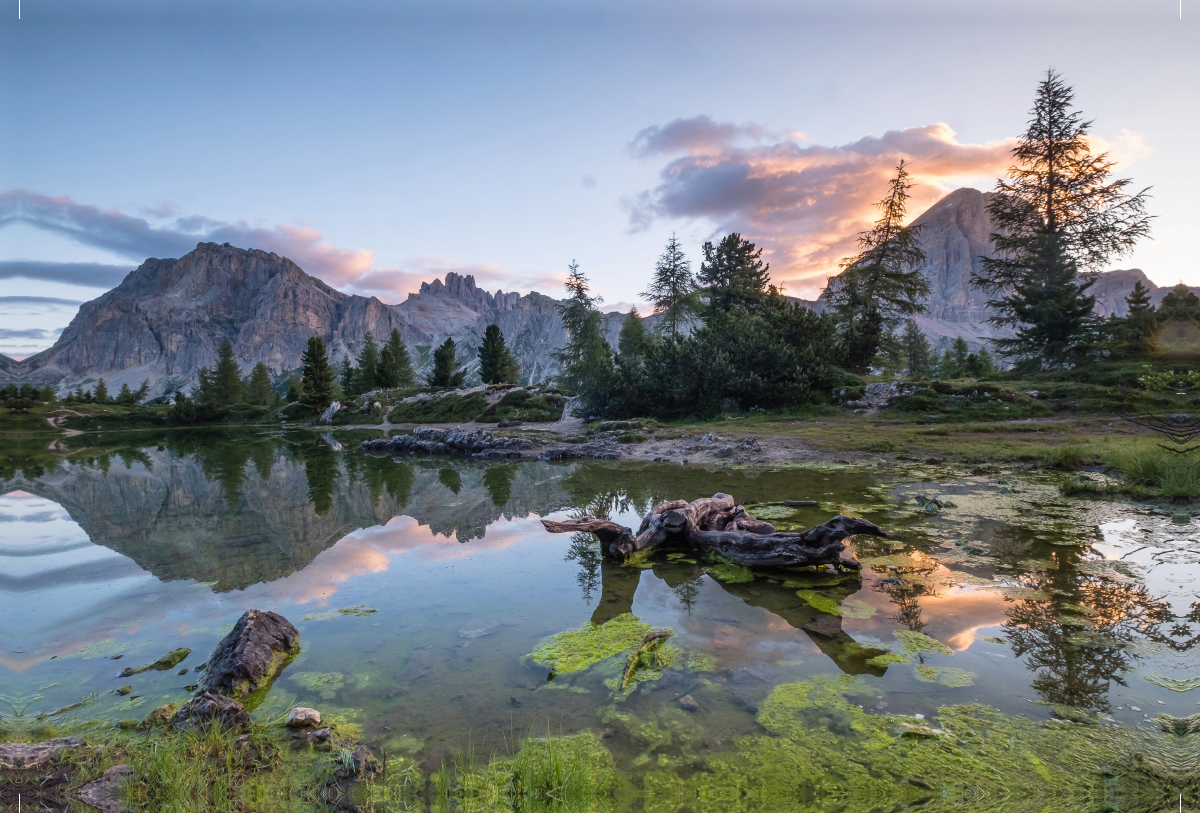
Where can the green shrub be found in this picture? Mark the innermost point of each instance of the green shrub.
(1066, 458)
(631, 437)
(1175, 475)
(452, 408)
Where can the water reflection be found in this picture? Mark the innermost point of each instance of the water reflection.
(1041, 604)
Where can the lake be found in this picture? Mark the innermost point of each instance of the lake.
(423, 587)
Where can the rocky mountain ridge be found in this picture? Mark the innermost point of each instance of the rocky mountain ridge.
(168, 317)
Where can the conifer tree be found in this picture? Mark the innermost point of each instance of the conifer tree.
(586, 359)
(125, 395)
(368, 364)
(47, 394)
(347, 378)
(496, 362)
(386, 376)
(100, 394)
(142, 391)
(1058, 216)
(258, 388)
(316, 390)
(226, 377)
(446, 373)
(915, 350)
(673, 291)
(733, 273)
(633, 341)
(400, 361)
(882, 284)
(961, 351)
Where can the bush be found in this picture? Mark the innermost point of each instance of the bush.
(1065, 458)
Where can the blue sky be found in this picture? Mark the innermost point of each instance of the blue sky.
(380, 144)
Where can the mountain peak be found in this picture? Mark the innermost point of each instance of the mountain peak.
(464, 290)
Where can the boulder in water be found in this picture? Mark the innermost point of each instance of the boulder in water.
(251, 655)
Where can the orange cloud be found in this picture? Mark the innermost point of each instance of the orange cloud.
(804, 204)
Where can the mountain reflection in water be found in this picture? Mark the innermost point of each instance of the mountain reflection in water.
(1031, 603)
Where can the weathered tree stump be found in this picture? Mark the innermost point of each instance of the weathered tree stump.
(719, 526)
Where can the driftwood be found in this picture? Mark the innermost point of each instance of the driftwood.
(631, 661)
(718, 525)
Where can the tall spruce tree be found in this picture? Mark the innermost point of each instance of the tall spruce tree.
(1141, 318)
(733, 273)
(386, 376)
(100, 394)
(368, 364)
(673, 291)
(915, 349)
(258, 388)
(400, 361)
(226, 377)
(883, 284)
(1058, 216)
(446, 373)
(316, 390)
(496, 362)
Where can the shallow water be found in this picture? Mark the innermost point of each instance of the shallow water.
(129, 547)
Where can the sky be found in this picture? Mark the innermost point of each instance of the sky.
(381, 144)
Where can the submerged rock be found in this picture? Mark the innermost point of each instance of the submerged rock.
(168, 661)
(301, 717)
(206, 709)
(427, 440)
(596, 450)
(688, 703)
(251, 655)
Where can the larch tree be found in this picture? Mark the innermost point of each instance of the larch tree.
(1058, 217)
(883, 284)
(673, 291)
(586, 359)
(915, 349)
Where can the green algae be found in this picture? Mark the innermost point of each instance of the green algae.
(887, 659)
(168, 661)
(647, 667)
(918, 643)
(360, 611)
(845, 608)
(326, 685)
(947, 676)
(730, 573)
(576, 650)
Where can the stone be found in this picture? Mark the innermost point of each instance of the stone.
(364, 763)
(330, 411)
(688, 703)
(251, 655)
(320, 735)
(428, 440)
(207, 708)
(301, 717)
(104, 793)
(160, 716)
(477, 628)
(32, 754)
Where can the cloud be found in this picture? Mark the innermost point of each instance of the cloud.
(804, 204)
(353, 270)
(39, 300)
(28, 333)
(97, 275)
(694, 135)
(137, 239)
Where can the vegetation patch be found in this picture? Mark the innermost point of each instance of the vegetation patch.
(730, 573)
(576, 650)
(828, 603)
(451, 408)
(360, 611)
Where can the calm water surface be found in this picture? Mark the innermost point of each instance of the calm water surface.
(1049, 606)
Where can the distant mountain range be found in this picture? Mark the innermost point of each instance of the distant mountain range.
(168, 317)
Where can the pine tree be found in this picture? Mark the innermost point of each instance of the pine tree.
(125, 396)
(586, 359)
(947, 369)
(316, 390)
(733, 273)
(401, 363)
(47, 394)
(1141, 319)
(633, 340)
(673, 291)
(226, 377)
(496, 362)
(142, 392)
(961, 351)
(368, 364)
(446, 373)
(987, 364)
(882, 284)
(258, 389)
(295, 390)
(347, 378)
(1057, 215)
(915, 350)
(386, 376)
(100, 394)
